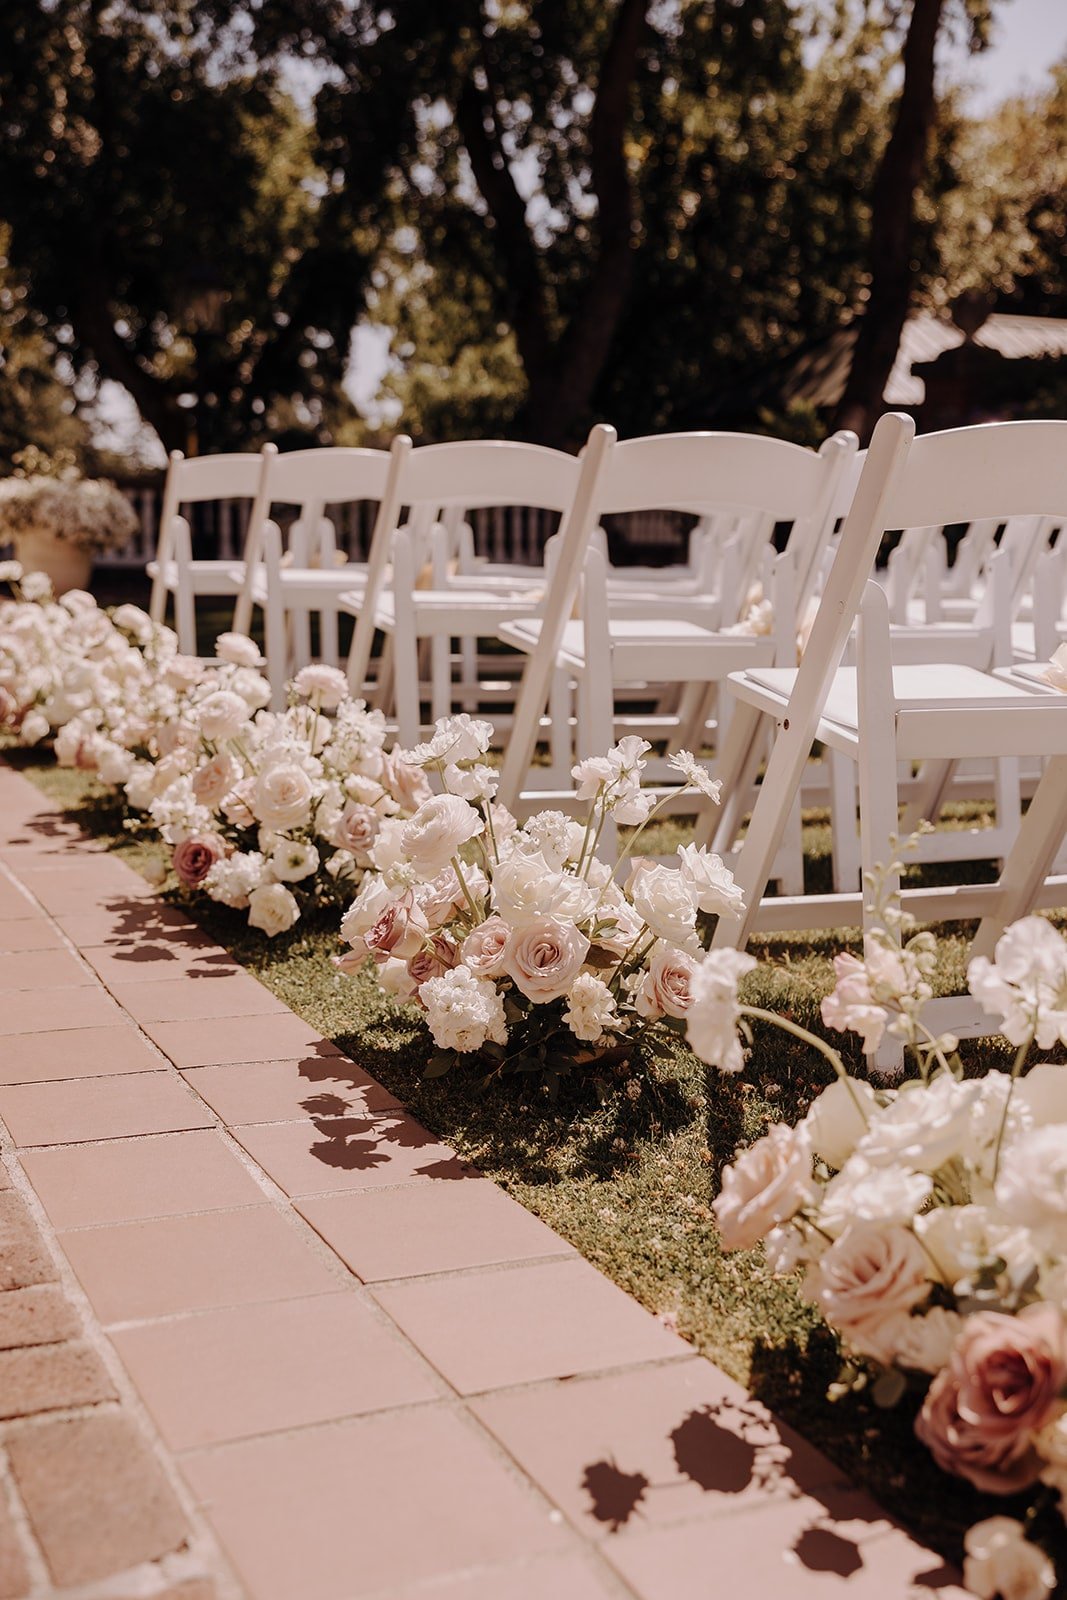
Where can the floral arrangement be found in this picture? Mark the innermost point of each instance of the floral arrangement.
(518, 944)
(929, 1221)
(50, 495)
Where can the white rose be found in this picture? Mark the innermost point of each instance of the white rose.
(590, 1012)
(1044, 1093)
(862, 1193)
(272, 909)
(664, 901)
(1001, 1563)
(924, 1126)
(966, 1240)
(710, 880)
(438, 829)
(838, 1119)
(525, 888)
(282, 797)
(222, 715)
(292, 860)
(544, 957)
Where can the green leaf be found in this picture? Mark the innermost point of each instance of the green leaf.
(888, 1389)
(440, 1062)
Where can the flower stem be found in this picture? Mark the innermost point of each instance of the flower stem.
(823, 1048)
(1016, 1067)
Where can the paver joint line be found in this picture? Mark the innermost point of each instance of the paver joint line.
(331, 1352)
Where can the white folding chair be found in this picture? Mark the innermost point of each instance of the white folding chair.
(882, 714)
(198, 480)
(667, 638)
(435, 479)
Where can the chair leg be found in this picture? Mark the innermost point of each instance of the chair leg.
(844, 840)
(441, 675)
(560, 739)
(329, 650)
(1035, 848)
(300, 623)
(274, 630)
(737, 761)
(184, 593)
(406, 674)
(468, 666)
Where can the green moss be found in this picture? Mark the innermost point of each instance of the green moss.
(629, 1182)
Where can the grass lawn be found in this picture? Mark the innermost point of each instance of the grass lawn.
(629, 1182)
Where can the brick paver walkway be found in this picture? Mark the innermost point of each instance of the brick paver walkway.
(289, 1346)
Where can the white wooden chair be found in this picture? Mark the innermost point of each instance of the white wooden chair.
(198, 480)
(669, 638)
(882, 714)
(312, 582)
(433, 480)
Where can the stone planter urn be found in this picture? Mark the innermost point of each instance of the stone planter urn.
(67, 564)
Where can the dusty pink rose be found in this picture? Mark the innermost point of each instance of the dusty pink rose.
(483, 948)
(399, 931)
(766, 1185)
(213, 780)
(352, 960)
(869, 1277)
(405, 782)
(194, 858)
(1002, 1384)
(237, 806)
(355, 829)
(665, 990)
(545, 957)
(436, 957)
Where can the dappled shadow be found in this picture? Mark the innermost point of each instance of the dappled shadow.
(362, 1143)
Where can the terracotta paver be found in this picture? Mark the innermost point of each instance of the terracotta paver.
(128, 1180)
(332, 1153)
(322, 1084)
(245, 1370)
(328, 1513)
(421, 1228)
(174, 1264)
(376, 1374)
(99, 1108)
(484, 1330)
(90, 1053)
(95, 1496)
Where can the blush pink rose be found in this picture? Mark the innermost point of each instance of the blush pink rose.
(356, 829)
(483, 948)
(1003, 1382)
(213, 780)
(399, 931)
(194, 858)
(767, 1184)
(665, 990)
(436, 957)
(407, 783)
(545, 957)
(867, 1279)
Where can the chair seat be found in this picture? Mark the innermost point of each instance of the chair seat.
(942, 710)
(307, 584)
(643, 645)
(208, 577)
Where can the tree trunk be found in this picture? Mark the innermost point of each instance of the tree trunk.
(892, 227)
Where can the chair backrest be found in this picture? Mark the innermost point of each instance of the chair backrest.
(195, 480)
(325, 476)
(489, 472)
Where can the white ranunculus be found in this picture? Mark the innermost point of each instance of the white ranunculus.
(591, 1011)
(544, 957)
(525, 888)
(293, 859)
(437, 832)
(478, 782)
(326, 686)
(1031, 1184)
(463, 1012)
(838, 1119)
(238, 650)
(282, 797)
(272, 909)
(591, 775)
(222, 715)
(711, 1021)
(388, 847)
(1001, 1563)
(665, 902)
(924, 1125)
(711, 881)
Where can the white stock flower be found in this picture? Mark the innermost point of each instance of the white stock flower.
(711, 1021)
(1031, 1184)
(10, 571)
(272, 908)
(462, 1011)
(710, 880)
(292, 860)
(232, 880)
(36, 586)
(238, 650)
(34, 727)
(131, 619)
(1025, 985)
(591, 1011)
(556, 836)
(437, 831)
(695, 774)
(1002, 1564)
(665, 902)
